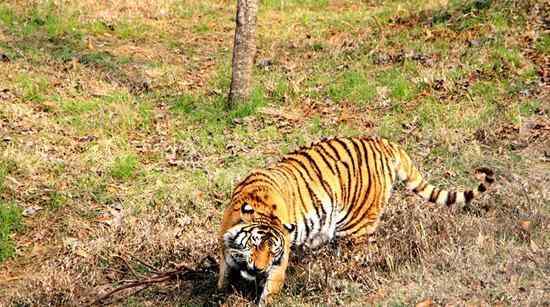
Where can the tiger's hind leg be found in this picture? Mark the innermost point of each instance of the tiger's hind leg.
(335, 247)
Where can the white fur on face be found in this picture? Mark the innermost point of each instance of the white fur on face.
(247, 276)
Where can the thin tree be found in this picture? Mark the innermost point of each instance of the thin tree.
(244, 49)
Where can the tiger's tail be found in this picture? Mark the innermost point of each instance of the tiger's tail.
(408, 173)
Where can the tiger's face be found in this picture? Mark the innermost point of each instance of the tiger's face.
(254, 247)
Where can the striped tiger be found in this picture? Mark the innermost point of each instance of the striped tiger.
(334, 188)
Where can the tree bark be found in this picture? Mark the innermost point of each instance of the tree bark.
(244, 49)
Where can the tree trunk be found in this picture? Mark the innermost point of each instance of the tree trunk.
(244, 50)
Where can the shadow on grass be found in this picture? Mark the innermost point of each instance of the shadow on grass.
(188, 285)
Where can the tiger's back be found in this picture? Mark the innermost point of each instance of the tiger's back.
(339, 186)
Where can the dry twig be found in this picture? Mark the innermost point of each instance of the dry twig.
(182, 272)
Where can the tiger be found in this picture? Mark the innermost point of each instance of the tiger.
(337, 187)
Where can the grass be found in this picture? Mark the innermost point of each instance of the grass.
(10, 222)
(124, 167)
(114, 123)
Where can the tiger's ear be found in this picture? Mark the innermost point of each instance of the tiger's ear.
(290, 227)
(247, 209)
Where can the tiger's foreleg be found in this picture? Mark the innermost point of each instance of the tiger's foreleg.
(274, 283)
(223, 278)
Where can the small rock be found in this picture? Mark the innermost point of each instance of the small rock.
(87, 138)
(31, 211)
(264, 63)
(4, 58)
(420, 57)
(381, 58)
(163, 13)
(474, 43)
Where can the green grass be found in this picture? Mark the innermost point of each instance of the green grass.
(6, 167)
(33, 88)
(212, 114)
(124, 167)
(10, 222)
(399, 84)
(354, 86)
(543, 44)
(529, 107)
(134, 30)
(43, 19)
(286, 4)
(7, 15)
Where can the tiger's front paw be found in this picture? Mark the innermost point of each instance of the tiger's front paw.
(265, 300)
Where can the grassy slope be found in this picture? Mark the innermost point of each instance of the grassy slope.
(112, 125)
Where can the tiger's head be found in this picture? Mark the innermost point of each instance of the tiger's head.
(257, 243)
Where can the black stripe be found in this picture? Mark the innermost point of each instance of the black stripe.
(481, 188)
(303, 166)
(310, 191)
(337, 169)
(344, 204)
(301, 197)
(421, 187)
(356, 164)
(468, 195)
(388, 164)
(391, 155)
(250, 177)
(348, 191)
(351, 187)
(346, 149)
(371, 179)
(292, 194)
(385, 168)
(365, 159)
(338, 157)
(359, 175)
(317, 170)
(300, 207)
(434, 195)
(322, 152)
(342, 199)
(376, 162)
(256, 180)
(451, 198)
(326, 185)
(325, 218)
(312, 195)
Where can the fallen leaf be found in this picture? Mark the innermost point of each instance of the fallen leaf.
(199, 194)
(525, 225)
(534, 247)
(425, 303)
(281, 113)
